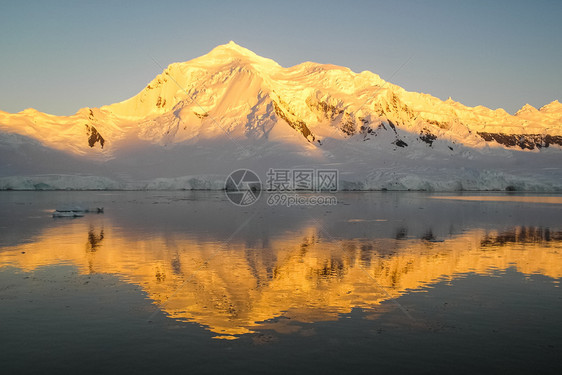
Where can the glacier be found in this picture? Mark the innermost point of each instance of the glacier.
(403, 180)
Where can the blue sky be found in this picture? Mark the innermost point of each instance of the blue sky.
(59, 56)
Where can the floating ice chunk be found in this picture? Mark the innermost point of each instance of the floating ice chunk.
(71, 214)
(76, 211)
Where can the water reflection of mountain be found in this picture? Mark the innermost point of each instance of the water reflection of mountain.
(301, 275)
(523, 235)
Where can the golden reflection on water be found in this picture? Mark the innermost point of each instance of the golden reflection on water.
(234, 289)
(503, 198)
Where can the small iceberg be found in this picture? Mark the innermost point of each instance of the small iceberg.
(58, 214)
(76, 211)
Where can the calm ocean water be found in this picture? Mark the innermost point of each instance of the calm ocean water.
(187, 281)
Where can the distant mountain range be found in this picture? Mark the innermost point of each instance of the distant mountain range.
(198, 120)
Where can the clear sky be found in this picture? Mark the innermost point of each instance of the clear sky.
(59, 56)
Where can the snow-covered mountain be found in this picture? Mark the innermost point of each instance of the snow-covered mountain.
(234, 109)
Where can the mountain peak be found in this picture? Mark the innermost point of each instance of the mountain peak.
(233, 52)
(233, 47)
(527, 108)
(552, 106)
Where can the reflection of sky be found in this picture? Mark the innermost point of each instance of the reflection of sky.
(61, 56)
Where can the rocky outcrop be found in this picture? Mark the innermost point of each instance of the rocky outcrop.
(291, 119)
(523, 141)
(427, 136)
(94, 137)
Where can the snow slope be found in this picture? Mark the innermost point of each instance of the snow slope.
(199, 120)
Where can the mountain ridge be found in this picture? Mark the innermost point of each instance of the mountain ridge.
(310, 112)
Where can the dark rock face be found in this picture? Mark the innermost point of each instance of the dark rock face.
(393, 114)
(427, 136)
(298, 125)
(348, 125)
(391, 124)
(441, 125)
(400, 143)
(160, 103)
(327, 110)
(331, 112)
(94, 136)
(201, 115)
(523, 141)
